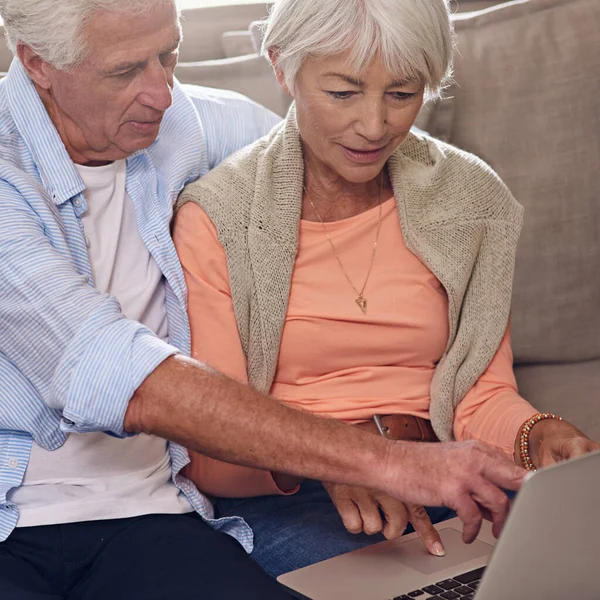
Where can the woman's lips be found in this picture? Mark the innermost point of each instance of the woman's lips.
(363, 157)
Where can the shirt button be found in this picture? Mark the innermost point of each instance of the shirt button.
(13, 463)
(68, 422)
(77, 202)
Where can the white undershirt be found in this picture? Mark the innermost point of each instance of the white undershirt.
(95, 476)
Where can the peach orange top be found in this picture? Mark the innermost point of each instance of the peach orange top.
(334, 360)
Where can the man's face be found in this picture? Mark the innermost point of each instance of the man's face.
(113, 103)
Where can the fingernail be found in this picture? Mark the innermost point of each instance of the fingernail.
(438, 549)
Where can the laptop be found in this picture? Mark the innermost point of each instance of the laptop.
(549, 550)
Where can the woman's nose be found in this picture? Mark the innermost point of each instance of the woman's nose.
(372, 123)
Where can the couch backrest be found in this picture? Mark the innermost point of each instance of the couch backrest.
(526, 100)
(204, 28)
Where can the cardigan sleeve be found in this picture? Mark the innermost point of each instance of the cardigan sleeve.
(215, 341)
(493, 411)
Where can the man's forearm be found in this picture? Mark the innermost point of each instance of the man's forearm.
(185, 402)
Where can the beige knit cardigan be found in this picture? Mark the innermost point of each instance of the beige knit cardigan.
(456, 216)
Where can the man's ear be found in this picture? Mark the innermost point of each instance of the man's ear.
(36, 67)
(273, 58)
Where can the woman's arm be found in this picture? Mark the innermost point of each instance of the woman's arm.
(216, 342)
(493, 411)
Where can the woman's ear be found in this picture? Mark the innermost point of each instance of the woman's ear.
(274, 59)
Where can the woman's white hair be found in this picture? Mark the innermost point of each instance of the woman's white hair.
(413, 38)
(53, 29)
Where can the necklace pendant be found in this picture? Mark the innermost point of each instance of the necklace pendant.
(362, 304)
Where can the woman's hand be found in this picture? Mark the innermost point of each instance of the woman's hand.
(361, 510)
(552, 441)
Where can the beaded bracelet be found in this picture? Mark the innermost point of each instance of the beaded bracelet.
(524, 438)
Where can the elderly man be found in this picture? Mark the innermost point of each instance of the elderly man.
(97, 140)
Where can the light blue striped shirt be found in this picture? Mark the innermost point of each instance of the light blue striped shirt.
(69, 360)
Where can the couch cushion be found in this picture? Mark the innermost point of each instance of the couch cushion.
(237, 43)
(569, 390)
(6, 55)
(526, 101)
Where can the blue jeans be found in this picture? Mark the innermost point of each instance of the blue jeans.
(291, 532)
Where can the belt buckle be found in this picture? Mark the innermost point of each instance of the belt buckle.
(383, 430)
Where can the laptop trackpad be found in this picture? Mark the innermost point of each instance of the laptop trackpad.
(413, 553)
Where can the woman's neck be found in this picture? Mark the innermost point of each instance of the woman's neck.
(335, 198)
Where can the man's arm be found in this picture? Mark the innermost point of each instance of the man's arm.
(62, 342)
(186, 402)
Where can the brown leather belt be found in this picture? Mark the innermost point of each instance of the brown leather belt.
(401, 427)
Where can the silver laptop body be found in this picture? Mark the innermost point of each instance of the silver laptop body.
(549, 550)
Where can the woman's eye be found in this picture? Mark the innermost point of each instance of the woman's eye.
(341, 95)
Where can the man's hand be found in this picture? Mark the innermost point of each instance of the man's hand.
(552, 441)
(464, 476)
(361, 510)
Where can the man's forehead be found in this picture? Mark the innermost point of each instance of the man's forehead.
(114, 37)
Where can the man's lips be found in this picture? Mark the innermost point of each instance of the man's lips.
(145, 127)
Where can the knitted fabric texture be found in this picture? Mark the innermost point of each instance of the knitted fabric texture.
(456, 216)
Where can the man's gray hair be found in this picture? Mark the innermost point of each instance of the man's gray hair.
(53, 29)
(413, 38)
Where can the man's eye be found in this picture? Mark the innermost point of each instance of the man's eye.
(169, 59)
(403, 95)
(341, 95)
(126, 74)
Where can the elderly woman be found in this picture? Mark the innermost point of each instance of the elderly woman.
(359, 271)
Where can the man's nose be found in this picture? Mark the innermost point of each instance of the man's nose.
(157, 88)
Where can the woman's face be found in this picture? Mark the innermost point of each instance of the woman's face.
(351, 125)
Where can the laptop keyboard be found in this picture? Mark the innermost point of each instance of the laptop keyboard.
(461, 587)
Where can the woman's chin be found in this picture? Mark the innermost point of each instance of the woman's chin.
(362, 174)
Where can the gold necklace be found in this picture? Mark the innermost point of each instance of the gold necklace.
(360, 300)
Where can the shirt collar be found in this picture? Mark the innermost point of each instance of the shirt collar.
(58, 173)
